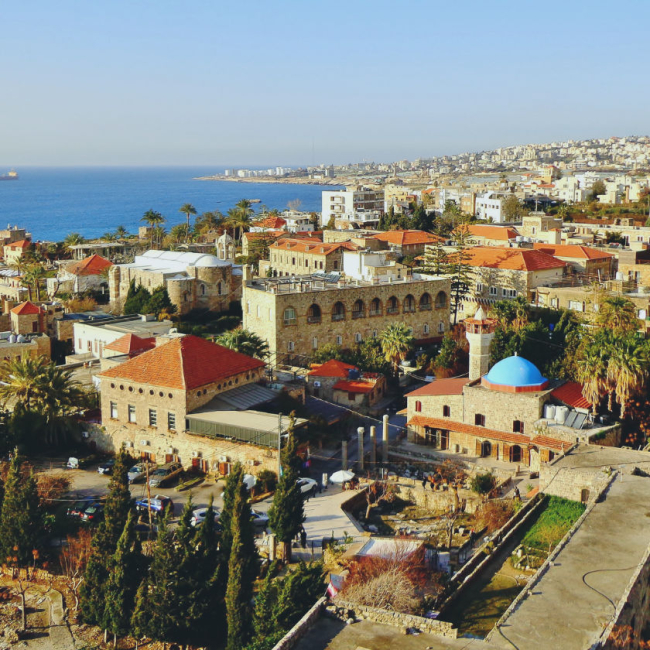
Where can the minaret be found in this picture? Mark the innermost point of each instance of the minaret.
(480, 332)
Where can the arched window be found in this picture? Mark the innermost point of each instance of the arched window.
(392, 305)
(425, 302)
(359, 309)
(418, 407)
(375, 307)
(409, 304)
(441, 300)
(425, 329)
(338, 312)
(289, 316)
(314, 314)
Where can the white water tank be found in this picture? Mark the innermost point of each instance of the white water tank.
(549, 411)
(619, 275)
(12, 338)
(561, 414)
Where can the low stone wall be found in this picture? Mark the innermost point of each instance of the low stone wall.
(571, 482)
(299, 630)
(345, 610)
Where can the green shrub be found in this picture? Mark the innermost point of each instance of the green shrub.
(553, 523)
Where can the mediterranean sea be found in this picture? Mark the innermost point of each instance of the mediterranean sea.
(53, 202)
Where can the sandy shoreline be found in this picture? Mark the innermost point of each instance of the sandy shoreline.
(272, 181)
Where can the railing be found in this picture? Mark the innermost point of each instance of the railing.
(358, 314)
(425, 307)
(409, 309)
(313, 319)
(392, 310)
(375, 312)
(290, 321)
(336, 317)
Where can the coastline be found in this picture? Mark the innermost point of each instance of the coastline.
(269, 181)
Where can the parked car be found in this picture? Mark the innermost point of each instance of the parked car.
(106, 467)
(259, 519)
(308, 486)
(198, 516)
(138, 472)
(159, 504)
(164, 474)
(78, 507)
(94, 512)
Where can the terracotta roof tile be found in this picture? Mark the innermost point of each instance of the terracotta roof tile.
(514, 259)
(354, 386)
(573, 251)
(131, 344)
(23, 243)
(273, 223)
(92, 265)
(332, 368)
(407, 237)
(482, 432)
(26, 308)
(571, 394)
(452, 386)
(184, 363)
(315, 247)
(492, 232)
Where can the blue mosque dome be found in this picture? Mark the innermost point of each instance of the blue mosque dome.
(514, 375)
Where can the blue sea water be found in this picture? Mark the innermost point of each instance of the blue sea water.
(53, 202)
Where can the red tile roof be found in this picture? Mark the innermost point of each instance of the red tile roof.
(315, 247)
(261, 235)
(332, 368)
(273, 223)
(23, 243)
(26, 308)
(92, 265)
(571, 394)
(482, 432)
(492, 232)
(514, 259)
(407, 237)
(184, 363)
(572, 251)
(354, 386)
(131, 344)
(452, 386)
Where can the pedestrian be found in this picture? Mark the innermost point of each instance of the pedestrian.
(303, 538)
(424, 483)
(325, 480)
(517, 494)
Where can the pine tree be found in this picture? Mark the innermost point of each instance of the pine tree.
(287, 514)
(459, 270)
(435, 259)
(265, 604)
(123, 581)
(230, 490)
(136, 299)
(242, 568)
(21, 522)
(159, 302)
(118, 502)
(140, 619)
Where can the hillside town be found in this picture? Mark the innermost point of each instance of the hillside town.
(419, 416)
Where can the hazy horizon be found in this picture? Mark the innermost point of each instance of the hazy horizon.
(292, 83)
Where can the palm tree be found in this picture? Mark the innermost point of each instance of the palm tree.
(109, 236)
(33, 276)
(188, 209)
(618, 314)
(592, 373)
(121, 232)
(21, 381)
(626, 371)
(208, 222)
(154, 220)
(396, 340)
(240, 218)
(246, 342)
(178, 233)
(74, 239)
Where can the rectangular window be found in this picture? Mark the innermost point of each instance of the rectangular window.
(351, 397)
(480, 287)
(510, 293)
(291, 346)
(90, 346)
(494, 291)
(171, 421)
(576, 305)
(131, 413)
(479, 419)
(114, 410)
(153, 418)
(314, 343)
(446, 411)
(517, 426)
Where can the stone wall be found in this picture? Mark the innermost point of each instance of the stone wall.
(575, 483)
(298, 262)
(302, 337)
(345, 610)
(299, 630)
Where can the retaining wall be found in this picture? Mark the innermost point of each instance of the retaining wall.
(299, 630)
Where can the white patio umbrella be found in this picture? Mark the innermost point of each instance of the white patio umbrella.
(342, 476)
(249, 481)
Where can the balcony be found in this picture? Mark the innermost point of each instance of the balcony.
(337, 317)
(375, 312)
(392, 310)
(409, 309)
(425, 307)
(358, 314)
(313, 319)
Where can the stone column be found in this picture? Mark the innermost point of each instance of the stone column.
(373, 448)
(360, 432)
(273, 554)
(384, 442)
(344, 455)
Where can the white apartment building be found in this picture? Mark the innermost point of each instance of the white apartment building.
(345, 204)
(489, 206)
(297, 221)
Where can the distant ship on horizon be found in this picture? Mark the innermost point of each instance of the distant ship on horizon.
(11, 176)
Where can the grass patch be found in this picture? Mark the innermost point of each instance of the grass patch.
(553, 524)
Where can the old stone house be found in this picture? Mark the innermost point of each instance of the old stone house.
(582, 259)
(407, 242)
(89, 274)
(299, 257)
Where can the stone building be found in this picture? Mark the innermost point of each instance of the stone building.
(297, 315)
(511, 413)
(14, 251)
(484, 235)
(299, 257)
(11, 286)
(583, 259)
(175, 403)
(25, 347)
(193, 280)
(29, 318)
(342, 383)
(407, 242)
(89, 274)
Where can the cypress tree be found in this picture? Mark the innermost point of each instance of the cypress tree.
(228, 496)
(123, 581)
(242, 567)
(21, 522)
(287, 513)
(264, 624)
(140, 620)
(299, 591)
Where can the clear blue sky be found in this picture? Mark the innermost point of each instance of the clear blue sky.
(254, 83)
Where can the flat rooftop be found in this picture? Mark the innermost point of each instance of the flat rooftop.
(328, 282)
(575, 599)
(266, 422)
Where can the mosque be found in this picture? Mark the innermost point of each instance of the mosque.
(509, 413)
